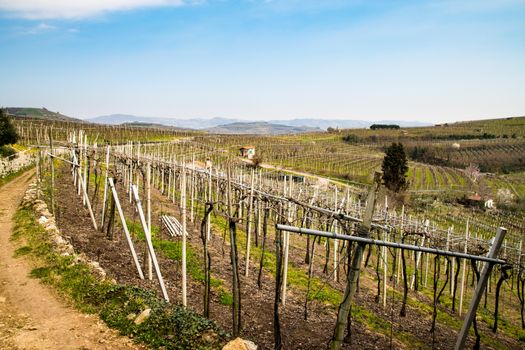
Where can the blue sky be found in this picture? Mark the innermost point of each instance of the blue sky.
(411, 60)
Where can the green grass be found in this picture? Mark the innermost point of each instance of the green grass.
(169, 326)
(173, 250)
(225, 297)
(22, 251)
(429, 178)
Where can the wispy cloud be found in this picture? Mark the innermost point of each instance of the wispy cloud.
(77, 9)
(40, 29)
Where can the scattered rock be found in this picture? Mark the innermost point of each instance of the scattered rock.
(240, 344)
(2, 299)
(250, 345)
(209, 336)
(144, 315)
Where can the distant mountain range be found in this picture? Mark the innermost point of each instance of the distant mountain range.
(214, 125)
(259, 128)
(225, 123)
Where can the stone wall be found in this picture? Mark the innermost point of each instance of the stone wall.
(16, 162)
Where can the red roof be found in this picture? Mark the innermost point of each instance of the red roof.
(474, 197)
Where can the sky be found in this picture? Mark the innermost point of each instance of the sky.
(434, 61)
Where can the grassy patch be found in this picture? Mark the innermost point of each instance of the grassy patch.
(173, 250)
(169, 326)
(225, 297)
(22, 251)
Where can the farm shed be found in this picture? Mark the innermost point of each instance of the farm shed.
(477, 200)
(247, 152)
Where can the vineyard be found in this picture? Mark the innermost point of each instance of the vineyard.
(177, 218)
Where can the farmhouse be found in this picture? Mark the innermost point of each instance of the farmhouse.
(247, 152)
(476, 200)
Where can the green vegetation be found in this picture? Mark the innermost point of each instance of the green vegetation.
(7, 151)
(173, 250)
(395, 168)
(169, 326)
(100, 133)
(384, 126)
(38, 113)
(8, 133)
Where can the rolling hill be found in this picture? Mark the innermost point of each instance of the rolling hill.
(40, 113)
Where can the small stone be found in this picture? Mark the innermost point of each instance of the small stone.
(250, 345)
(144, 315)
(209, 336)
(236, 344)
(2, 299)
(131, 316)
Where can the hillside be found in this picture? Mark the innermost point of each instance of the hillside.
(40, 113)
(260, 128)
(434, 206)
(206, 123)
(152, 125)
(346, 123)
(195, 123)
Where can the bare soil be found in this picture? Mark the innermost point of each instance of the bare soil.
(257, 304)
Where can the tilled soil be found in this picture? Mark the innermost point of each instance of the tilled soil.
(257, 304)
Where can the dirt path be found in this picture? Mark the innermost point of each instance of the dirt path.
(322, 181)
(31, 315)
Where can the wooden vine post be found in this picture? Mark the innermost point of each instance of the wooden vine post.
(210, 199)
(353, 273)
(148, 213)
(480, 287)
(38, 179)
(236, 290)
(418, 255)
(83, 186)
(79, 161)
(52, 172)
(286, 240)
(249, 224)
(135, 192)
(278, 281)
(183, 203)
(462, 290)
(125, 227)
(207, 259)
(105, 188)
(84, 173)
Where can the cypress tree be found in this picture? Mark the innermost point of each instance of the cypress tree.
(395, 167)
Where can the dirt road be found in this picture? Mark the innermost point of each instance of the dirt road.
(33, 316)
